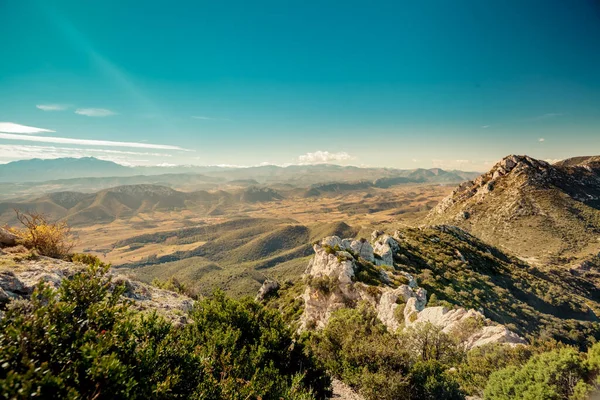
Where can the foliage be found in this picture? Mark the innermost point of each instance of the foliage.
(357, 348)
(174, 285)
(563, 373)
(458, 269)
(324, 284)
(84, 258)
(84, 341)
(51, 239)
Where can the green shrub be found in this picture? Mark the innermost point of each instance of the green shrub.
(85, 258)
(557, 374)
(84, 341)
(357, 348)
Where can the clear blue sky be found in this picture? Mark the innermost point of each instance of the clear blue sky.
(451, 83)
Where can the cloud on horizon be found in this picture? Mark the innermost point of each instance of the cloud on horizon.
(52, 107)
(321, 157)
(95, 112)
(11, 127)
(88, 142)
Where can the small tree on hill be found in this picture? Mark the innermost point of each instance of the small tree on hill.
(51, 239)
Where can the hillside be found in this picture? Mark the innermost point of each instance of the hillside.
(128, 201)
(236, 255)
(539, 211)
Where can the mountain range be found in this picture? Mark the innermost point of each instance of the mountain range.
(38, 170)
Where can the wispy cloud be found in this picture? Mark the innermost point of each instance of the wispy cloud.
(52, 107)
(94, 112)
(541, 139)
(11, 127)
(320, 157)
(486, 126)
(546, 116)
(89, 142)
(205, 118)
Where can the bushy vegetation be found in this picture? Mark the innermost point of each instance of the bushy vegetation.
(459, 270)
(174, 285)
(357, 348)
(48, 238)
(422, 362)
(85, 341)
(560, 374)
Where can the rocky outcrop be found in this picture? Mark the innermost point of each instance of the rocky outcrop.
(461, 321)
(18, 279)
(334, 276)
(267, 288)
(7, 238)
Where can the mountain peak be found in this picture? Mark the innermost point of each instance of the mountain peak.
(519, 193)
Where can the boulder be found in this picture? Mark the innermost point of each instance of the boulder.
(363, 249)
(269, 286)
(7, 238)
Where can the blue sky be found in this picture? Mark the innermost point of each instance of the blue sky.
(453, 84)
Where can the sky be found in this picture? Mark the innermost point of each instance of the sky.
(432, 83)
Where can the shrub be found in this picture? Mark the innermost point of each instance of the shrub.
(51, 239)
(557, 374)
(84, 341)
(173, 284)
(85, 258)
(356, 347)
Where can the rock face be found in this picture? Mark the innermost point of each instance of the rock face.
(21, 278)
(333, 279)
(266, 289)
(7, 238)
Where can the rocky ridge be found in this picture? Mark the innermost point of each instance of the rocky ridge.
(20, 275)
(557, 206)
(346, 271)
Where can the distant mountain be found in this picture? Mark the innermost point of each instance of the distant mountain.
(109, 204)
(546, 212)
(257, 195)
(38, 170)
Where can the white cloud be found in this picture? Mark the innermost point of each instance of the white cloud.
(201, 117)
(11, 152)
(88, 142)
(541, 139)
(10, 127)
(320, 157)
(52, 107)
(94, 112)
(486, 126)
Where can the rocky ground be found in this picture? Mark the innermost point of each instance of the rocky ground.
(346, 271)
(21, 271)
